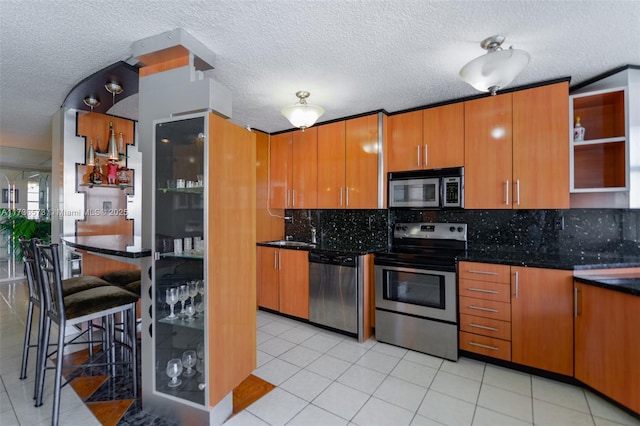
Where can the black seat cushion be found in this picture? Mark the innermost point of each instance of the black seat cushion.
(122, 278)
(97, 299)
(133, 287)
(77, 284)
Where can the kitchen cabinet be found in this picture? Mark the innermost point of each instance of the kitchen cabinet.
(283, 281)
(427, 139)
(607, 343)
(293, 167)
(194, 243)
(542, 319)
(509, 138)
(348, 164)
(517, 314)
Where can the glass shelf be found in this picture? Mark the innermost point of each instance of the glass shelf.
(196, 324)
(106, 185)
(189, 255)
(105, 155)
(194, 190)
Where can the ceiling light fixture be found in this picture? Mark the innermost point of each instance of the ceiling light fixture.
(115, 89)
(497, 68)
(91, 102)
(302, 115)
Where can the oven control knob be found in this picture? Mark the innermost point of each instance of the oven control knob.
(452, 228)
(404, 228)
(460, 229)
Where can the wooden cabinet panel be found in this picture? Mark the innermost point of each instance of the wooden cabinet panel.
(304, 165)
(267, 278)
(484, 345)
(607, 343)
(485, 272)
(485, 290)
(485, 308)
(294, 283)
(331, 165)
(542, 319)
(443, 136)
(540, 150)
(361, 151)
(279, 170)
(405, 141)
(485, 326)
(488, 152)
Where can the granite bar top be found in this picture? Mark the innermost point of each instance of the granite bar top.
(115, 245)
(325, 247)
(623, 282)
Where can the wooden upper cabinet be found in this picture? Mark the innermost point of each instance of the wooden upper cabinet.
(331, 165)
(443, 136)
(542, 319)
(304, 164)
(279, 170)
(405, 141)
(488, 152)
(540, 148)
(361, 152)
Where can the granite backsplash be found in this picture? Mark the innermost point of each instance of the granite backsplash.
(586, 231)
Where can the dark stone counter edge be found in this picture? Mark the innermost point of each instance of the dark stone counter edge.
(623, 285)
(120, 253)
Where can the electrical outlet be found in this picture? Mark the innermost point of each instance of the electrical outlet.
(558, 223)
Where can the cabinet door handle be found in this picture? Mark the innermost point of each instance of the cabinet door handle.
(482, 290)
(293, 198)
(426, 154)
(480, 308)
(419, 155)
(506, 192)
(347, 192)
(473, 271)
(576, 294)
(275, 260)
(518, 191)
(517, 284)
(279, 260)
(493, 348)
(340, 196)
(484, 327)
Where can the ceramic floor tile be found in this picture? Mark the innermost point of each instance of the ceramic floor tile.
(486, 417)
(559, 393)
(465, 367)
(506, 402)
(275, 328)
(508, 379)
(367, 344)
(316, 416)
(276, 371)
(277, 407)
(377, 412)
(391, 350)
(262, 337)
(362, 379)
(423, 359)
(446, 409)
(263, 358)
(547, 414)
(378, 361)
(456, 386)
(347, 351)
(306, 384)
(276, 346)
(418, 374)
(341, 400)
(599, 421)
(8, 418)
(605, 410)
(297, 335)
(300, 356)
(245, 418)
(419, 420)
(328, 366)
(321, 342)
(401, 393)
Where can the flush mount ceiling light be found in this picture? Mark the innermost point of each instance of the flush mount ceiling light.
(497, 68)
(302, 114)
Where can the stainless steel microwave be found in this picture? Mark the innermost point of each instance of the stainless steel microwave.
(428, 189)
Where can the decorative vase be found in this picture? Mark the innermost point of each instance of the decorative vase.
(578, 130)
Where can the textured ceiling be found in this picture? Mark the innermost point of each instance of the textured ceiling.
(353, 56)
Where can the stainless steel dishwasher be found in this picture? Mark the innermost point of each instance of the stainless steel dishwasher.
(336, 292)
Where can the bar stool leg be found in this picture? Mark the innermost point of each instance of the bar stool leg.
(131, 321)
(27, 342)
(41, 363)
(58, 378)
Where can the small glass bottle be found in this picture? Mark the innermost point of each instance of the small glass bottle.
(121, 148)
(578, 130)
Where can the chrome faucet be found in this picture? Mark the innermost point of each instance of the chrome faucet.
(313, 235)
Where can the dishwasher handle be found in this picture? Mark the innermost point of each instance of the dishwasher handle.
(333, 259)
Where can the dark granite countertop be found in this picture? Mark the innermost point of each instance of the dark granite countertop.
(115, 245)
(328, 248)
(626, 283)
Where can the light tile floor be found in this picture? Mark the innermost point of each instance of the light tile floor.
(325, 378)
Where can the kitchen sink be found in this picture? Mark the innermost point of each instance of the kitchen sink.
(286, 243)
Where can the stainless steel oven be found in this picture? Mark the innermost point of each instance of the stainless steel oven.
(416, 288)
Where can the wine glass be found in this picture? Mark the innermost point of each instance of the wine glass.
(200, 285)
(174, 368)
(200, 308)
(200, 369)
(189, 360)
(193, 290)
(200, 350)
(171, 299)
(183, 295)
(189, 310)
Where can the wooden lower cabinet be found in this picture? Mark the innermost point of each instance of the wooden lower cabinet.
(607, 343)
(542, 319)
(283, 281)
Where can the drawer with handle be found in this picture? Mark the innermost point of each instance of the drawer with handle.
(485, 308)
(485, 290)
(485, 272)
(485, 326)
(488, 346)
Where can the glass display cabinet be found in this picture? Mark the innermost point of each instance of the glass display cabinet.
(200, 340)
